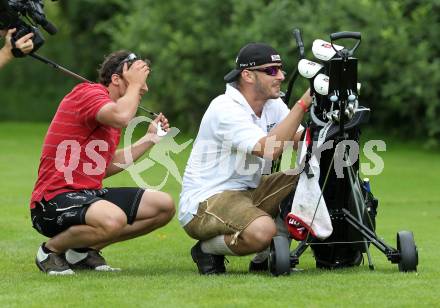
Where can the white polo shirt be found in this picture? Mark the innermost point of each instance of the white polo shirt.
(221, 156)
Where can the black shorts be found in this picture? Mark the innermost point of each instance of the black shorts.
(68, 209)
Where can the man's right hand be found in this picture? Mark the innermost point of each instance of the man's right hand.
(306, 98)
(136, 74)
(134, 81)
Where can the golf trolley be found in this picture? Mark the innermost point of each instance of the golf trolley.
(350, 203)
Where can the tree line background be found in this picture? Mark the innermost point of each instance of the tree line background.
(193, 44)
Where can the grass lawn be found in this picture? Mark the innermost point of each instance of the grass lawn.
(158, 270)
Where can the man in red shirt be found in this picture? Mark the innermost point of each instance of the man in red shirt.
(69, 204)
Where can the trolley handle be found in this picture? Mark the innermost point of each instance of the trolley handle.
(345, 34)
(299, 42)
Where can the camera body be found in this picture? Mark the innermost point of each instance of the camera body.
(11, 16)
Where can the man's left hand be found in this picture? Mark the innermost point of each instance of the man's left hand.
(160, 119)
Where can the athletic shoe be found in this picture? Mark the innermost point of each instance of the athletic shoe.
(256, 267)
(207, 264)
(52, 264)
(89, 260)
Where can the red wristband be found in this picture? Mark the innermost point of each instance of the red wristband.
(303, 105)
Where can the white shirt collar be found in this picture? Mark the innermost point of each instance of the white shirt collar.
(238, 97)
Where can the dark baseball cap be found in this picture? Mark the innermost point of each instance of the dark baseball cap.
(251, 55)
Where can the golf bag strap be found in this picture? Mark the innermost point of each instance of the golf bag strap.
(309, 143)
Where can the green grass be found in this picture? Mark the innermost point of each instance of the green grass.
(157, 268)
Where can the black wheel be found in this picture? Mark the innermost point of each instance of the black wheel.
(279, 257)
(407, 248)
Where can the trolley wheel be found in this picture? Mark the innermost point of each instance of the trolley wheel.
(409, 257)
(279, 256)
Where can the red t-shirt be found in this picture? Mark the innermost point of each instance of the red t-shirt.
(77, 149)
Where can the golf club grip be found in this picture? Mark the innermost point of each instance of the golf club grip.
(299, 42)
(345, 34)
(298, 38)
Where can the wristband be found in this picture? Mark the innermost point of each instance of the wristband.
(302, 105)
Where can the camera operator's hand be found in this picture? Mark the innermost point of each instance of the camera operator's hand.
(24, 43)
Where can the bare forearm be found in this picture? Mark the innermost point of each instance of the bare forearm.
(126, 106)
(273, 144)
(125, 157)
(5, 56)
(286, 129)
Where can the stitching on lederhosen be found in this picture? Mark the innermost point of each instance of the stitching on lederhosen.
(275, 192)
(234, 239)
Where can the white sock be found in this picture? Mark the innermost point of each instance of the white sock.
(217, 246)
(74, 257)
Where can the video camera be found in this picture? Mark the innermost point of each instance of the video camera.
(12, 13)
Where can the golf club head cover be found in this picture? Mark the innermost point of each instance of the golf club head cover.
(309, 212)
(323, 50)
(321, 83)
(297, 228)
(309, 69)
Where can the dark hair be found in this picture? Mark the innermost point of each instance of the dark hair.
(110, 65)
(113, 64)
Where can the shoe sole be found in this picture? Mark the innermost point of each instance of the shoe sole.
(106, 268)
(99, 268)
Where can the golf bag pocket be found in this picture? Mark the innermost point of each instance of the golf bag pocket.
(309, 214)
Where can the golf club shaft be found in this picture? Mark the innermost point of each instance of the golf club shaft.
(148, 111)
(57, 66)
(68, 72)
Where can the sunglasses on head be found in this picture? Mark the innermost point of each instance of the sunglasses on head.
(269, 70)
(130, 59)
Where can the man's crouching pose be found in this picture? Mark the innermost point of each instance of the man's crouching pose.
(68, 203)
(225, 201)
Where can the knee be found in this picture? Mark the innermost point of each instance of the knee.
(264, 236)
(262, 233)
(167, 207)
(111, 226)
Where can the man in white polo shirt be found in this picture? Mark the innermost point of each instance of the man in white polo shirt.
(226, 203)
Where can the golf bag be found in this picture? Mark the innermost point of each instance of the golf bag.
(336, 118)
(345, 245)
